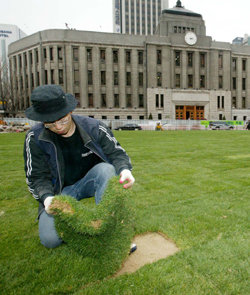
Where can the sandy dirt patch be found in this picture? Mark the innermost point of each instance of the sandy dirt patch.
(150, 248)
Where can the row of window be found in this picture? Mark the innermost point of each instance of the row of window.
(179, 29)
(243, 85)
(190, 79)
(115, 78)
(129, 117)
(243, 64)
(116, 102)
(49, 53)
(243, 102)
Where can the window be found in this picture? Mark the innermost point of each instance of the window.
(159, 79)
(157, 100)
(162, 100)
(117, 117)
(234, 64)
(177, 80)
(243, 83)
(51, 53)
(177, 58)
(234, 102)
(102, 55)
(46, 77)
(116, 78)
(44, 52)
(103, 78)
(25, 60)
(76, 77)
(159, 116)
(190, 81)
(59, 53)
(89, 55)
(128, 78)
(75, 54)
(31, 57)
(38, 78)
(140, 57)
(90, 100)
(32, 80)
(116, 101)
(128, 56)
(103, 103)
(158, 57)
(220, 61)
(90, 78)
(202, 81)
(60, 76)
(140, 79)
(77, 96)
(128, 101)
(202, 60)
(104, 117)
(234, 83)
(190, 59)
(115, 56)
(52, 78)
(129, 117)
(220, 82)
(243, 102)
(141, 102)
(244, 65)
(218, 102)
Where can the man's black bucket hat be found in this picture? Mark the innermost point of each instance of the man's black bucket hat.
(50, 103)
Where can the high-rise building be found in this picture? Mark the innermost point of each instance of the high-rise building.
(8, 34)
(137, 17)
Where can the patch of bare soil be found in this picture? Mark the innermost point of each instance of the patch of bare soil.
(150, 248)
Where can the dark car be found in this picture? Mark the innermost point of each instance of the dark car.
(129, 127)
(220, 126)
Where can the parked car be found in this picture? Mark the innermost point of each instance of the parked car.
(220, 126)
(129, 127)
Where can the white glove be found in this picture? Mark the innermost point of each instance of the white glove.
(126, 175)
(47, 203)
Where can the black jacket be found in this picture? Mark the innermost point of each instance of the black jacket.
(44, 165)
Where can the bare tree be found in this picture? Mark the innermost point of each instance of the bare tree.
(6, 98)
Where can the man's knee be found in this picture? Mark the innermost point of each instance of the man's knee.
(107, 170)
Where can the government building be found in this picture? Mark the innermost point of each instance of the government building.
(177, 73)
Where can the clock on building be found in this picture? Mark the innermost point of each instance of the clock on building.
(190, 38)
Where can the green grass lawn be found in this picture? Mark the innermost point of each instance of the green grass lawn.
(193, 186)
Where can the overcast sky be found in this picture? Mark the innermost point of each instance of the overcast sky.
(224, 19)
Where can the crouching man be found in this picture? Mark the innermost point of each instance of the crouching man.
(68, 154)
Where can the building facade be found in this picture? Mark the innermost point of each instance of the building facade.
(138, 17)
(179, 73)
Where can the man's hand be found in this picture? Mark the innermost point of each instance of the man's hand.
(47, 203)
(126, 175)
